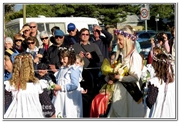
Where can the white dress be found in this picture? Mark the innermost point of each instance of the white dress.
(163, 108)
(25, 103)
(68, 103)
(123, 105)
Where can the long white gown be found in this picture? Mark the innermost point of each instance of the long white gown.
(68, 103)
(164, 107)
(25, 103)
(123, 105)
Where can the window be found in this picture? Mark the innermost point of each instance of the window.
(13, 28)
(40, 26)
(144, 35)
(90, 27)
(49, 26)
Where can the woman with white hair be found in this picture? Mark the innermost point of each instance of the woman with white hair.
(8, 43)
(46, 43)
(127, 98)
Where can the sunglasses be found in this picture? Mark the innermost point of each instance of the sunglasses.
(18, 40)
(58, 37)
(27, 30)
(44, 38)
(96, 31)
(30, 43)
(83, 34)
(32, 26)
(70, 31)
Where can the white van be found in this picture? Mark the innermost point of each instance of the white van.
(46, 23)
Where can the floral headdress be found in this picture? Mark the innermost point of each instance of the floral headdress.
(125, 34)
(70, 49)
(168, 61)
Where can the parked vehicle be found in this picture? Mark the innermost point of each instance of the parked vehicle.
(144, 35)
(46, 23)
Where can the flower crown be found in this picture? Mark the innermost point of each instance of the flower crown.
(125, 34)
(165, 61)
(158, 60)
(66, 49)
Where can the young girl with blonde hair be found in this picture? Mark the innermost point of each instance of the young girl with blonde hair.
(27, 92)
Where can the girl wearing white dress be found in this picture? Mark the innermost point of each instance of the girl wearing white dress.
(68, 99)
(27, 91)
(160, 99)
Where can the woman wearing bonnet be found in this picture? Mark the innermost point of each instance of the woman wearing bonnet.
(127, 97)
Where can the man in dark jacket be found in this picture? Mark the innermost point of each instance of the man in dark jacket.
(53, 51)
(102, 42)
(92, 56)
(73, 36)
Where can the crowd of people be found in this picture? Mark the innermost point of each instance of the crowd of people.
(79, 76)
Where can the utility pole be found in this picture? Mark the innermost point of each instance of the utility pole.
(24, 14)
(157, 19)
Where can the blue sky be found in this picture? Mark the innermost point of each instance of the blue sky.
(17, 7)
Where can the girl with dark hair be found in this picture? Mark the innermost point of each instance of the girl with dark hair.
(161, 88)
(68, 99)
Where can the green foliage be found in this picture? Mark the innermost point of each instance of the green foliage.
(9, 8)
(110, 14)
(164, 11)
(33, 10)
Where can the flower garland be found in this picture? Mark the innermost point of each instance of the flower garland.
(125, 34)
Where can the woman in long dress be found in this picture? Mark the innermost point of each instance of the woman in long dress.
(124, 103)
(27, 91)
(68, 99)
(160, 99)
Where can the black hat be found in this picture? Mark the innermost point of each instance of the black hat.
(42, 66)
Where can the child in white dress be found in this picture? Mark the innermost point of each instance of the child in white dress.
(160, 99)
(68, 100)
(27, 91)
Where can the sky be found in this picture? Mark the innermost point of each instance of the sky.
(17, 7)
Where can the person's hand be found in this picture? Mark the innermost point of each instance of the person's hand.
(84, 91)
(152, 40)
(24, 29)
(53, 68)
(36, 60)
(88, 55)
(82, 54)
(39, 55)
(54, 92)
(118, 77)
(110, 82)
(98, 28)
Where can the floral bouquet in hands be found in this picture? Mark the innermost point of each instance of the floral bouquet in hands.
(115, 68)
(121, 69)
(51, 85)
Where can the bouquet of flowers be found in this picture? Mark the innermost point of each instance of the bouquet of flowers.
(116, 68)
(145, 76)
(50, 85)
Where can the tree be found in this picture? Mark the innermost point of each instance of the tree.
(110, 14)
(164, 11)
(9, 8)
